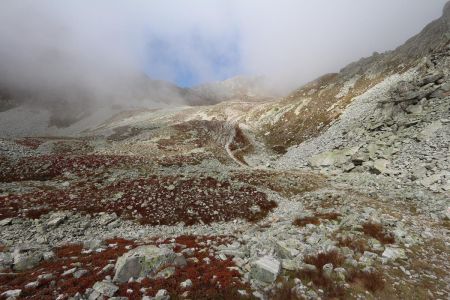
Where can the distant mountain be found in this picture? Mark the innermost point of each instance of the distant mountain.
(249, 88)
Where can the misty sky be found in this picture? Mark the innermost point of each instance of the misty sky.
(91, 44)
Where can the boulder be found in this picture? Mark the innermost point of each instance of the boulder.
(265, 269)
(394, 253)
(6, 222)
(286, 250)
(432, 78)
(11, 294)
(25, 260)
(107, 289)
(142, 261)
(6, 260)
(331, 158)
(380, 166)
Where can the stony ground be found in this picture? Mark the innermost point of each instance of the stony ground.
(197, 204)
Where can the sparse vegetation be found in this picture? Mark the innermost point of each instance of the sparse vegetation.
(377, 232)
(316, 219)
(372, 281)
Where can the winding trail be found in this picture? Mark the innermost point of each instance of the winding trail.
(227, 146)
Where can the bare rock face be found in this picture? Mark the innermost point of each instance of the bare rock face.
(141, 262)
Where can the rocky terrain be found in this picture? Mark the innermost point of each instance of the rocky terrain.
(340, 190)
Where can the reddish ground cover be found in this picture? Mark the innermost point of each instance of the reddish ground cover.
(66, 258)
(155, 200)
(47, 167)
(211, 278)
(31, 143)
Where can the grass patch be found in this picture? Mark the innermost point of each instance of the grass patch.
(372, 281)
(377, 232)
(316, 219)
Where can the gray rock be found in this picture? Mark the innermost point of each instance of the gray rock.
(141, 262)
(105, 288)
(391, 253)
(380, 166)
(107, 268)
(265, 269)
(186, 284)
(93, 244)
(290, 264)
(56, 221)
(6, 260)
(327, 270)
(331, 158)
(32, 285)
(6, 222)
(26, 260)
(80, 273)
(285, 250)
(162, 295)
(69, 272)
(12, 293)
(166, 273)
(432, 78)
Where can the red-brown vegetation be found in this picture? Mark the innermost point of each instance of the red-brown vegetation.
(356, 244)
(377, 232)
(286, 183)
(31, 143)
(154, 200)
(302, 222)
(42, 168)
(212, 278)
(331, 288)
(316, 219)
(66, 258)
(372, 281)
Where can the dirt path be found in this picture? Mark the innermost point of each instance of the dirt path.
(228, 150)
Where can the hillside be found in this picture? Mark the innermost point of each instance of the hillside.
(339, 190)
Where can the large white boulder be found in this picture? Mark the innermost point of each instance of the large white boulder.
(266, 269)
(142, 261)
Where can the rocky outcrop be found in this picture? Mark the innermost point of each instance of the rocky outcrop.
(141, 262)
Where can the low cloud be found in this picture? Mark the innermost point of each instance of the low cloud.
(101, 49)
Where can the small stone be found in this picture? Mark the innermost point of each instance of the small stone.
(107, 268)
(186, 284)
(105, 288)
(56, 221)
(162, 293)
(93, 244)
(166, 273)
(12, 293)
(327, 270)
(68, 272)
(80, 273)
(6, 222)
(32, 285)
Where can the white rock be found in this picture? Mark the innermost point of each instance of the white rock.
(105, 288)
(265, 269)
(141, 262)
(186, 284)
(394, 253)
(12, 293)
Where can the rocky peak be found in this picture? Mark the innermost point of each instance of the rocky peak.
(446, 11)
